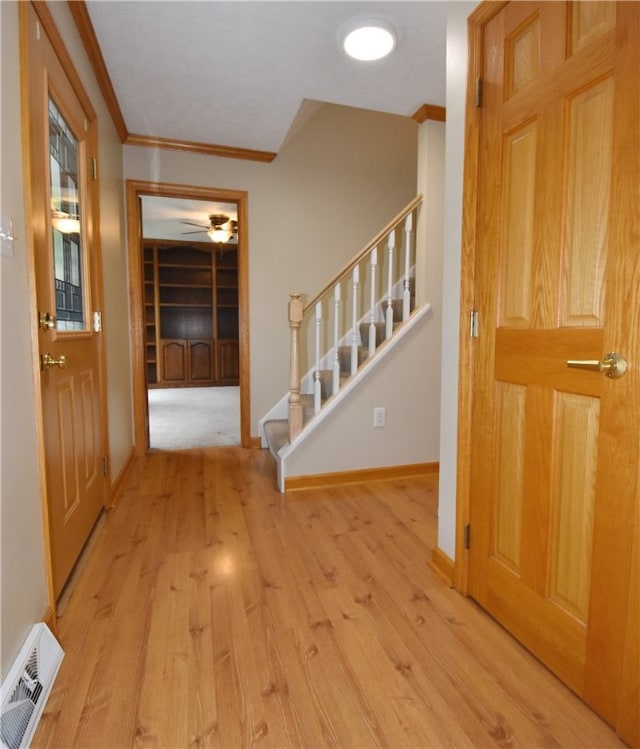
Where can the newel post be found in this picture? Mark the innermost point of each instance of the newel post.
(295, 405)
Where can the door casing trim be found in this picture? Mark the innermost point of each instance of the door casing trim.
(480, 16)
(134, 190)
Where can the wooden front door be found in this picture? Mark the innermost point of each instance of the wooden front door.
(62, 144)
(554, 457)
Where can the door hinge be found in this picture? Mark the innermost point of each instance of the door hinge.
(97, 322)
(104, 466)
(467, 536)
(94, 168)
(478, 92)
(473, 323)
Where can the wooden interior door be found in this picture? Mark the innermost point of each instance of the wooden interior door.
(63, 212)
(554, 457)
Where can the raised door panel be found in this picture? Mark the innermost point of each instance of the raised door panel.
(174, 362)
(227, 368)
(201, 361)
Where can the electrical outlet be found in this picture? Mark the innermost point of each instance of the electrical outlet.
(379, 417)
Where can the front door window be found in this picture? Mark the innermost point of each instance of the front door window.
(65, 221)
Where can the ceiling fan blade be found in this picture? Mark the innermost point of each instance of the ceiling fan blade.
(201, 226)
(200, 231)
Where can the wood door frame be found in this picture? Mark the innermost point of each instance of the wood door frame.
(476, 21)
(30, 188)
(135, 189)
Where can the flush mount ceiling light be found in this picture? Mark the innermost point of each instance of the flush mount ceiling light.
(369, 40)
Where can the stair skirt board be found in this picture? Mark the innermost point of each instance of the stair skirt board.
(321, 480)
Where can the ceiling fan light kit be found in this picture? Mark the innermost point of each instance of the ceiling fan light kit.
(220, 230)
(65, 223)
(219, 235)
(369, 40)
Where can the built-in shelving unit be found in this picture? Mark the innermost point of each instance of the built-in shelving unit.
(191, 314)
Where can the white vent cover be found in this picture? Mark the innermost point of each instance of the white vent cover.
(26, 689)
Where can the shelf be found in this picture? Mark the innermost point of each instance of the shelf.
(185, 304)
(184, 285)
(191, 266)
(191, 306)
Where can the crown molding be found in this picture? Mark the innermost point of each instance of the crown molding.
(429, 112)
(208, 149)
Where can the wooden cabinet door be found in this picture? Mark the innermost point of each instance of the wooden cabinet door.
(186, 362)
(227, 362)
(201, 362)
(174, 362)
(554, 465)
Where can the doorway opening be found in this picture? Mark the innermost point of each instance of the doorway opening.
(188, 286)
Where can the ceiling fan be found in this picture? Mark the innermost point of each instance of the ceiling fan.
(221, 228)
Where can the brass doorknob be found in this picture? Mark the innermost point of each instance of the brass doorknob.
(47, 321)
(47, 361)
(614, 365)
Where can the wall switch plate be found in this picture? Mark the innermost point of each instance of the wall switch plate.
(379, 417)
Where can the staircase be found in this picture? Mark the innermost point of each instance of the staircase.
(339, 335)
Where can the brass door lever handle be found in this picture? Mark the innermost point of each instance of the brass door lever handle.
(614, 365)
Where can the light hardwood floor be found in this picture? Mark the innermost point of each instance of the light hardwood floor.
(212, 611)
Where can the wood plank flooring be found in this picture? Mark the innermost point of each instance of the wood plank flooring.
(213, 611)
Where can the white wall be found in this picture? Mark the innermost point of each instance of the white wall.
(23, 583)
(22, 575)
(454, 159)
(335, 184)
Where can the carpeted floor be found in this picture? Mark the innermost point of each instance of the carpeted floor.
(183, 418)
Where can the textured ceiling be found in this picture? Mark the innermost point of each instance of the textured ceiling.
(235, 73)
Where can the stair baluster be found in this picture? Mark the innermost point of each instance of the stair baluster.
(391, 246)
(354, 327)
(337, 304)
(406, 295)
(317, 387)
(372, 312)
(296, 309)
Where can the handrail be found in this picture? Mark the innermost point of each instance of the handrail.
(363, 252)
(299, 313)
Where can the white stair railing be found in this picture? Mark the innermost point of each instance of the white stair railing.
(406, 294)
(354, 319)
(337, 306)
(361, 295)
(391, 246)
(372, 312)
